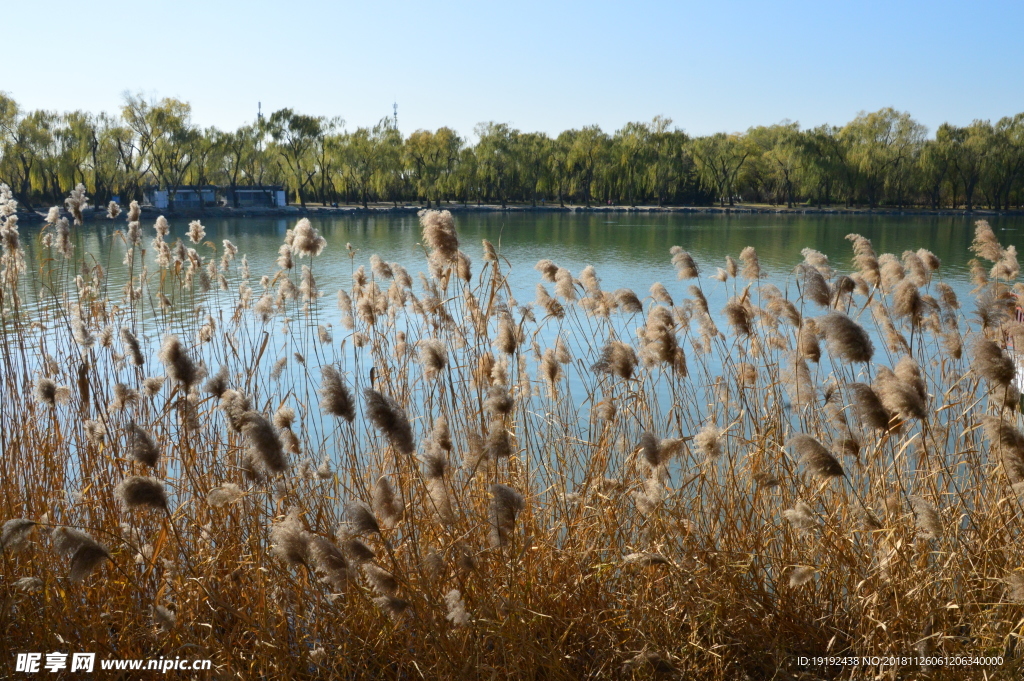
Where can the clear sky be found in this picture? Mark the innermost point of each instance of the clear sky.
(710, 65)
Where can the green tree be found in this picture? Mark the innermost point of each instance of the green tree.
(719, 159)
(884, 146)
(670, 163)
(295, 137)
(968, 149)
(165, 134)
(531, 154)
(586, 154)
(430, 158)
(632, 154)
(496, 162)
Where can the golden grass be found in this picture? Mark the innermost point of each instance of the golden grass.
(456, 500)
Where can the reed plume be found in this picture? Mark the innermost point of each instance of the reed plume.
(926, 517)
(387, 505)
(506, 505)
(813, 455)
(433, 357)
(228, 493)
(305, 240)
(86, 553)
(985, 244)
(751, 264)
(686, 268)
(335, 397)
(869, 407)
(815, 287)
(142, 492)
(143, 446)
(991, 363)
(361, 519)
(618, 359)
(845, 338)
(1006, 445)
(390, 419)
(382, 581)
(439, 234)
(264, 444)
(290, 541)
(15, 533)
(801, 575)
(864, 259)
(802, 517)
(178, 365)
(329, 562)
(456, 614)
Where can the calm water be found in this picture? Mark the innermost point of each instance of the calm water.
(627, 250)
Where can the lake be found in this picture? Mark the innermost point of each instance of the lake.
(627, 250)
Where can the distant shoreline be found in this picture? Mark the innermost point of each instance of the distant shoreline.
(99, 213)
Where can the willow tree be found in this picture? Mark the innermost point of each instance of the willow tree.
(968, 148)
(587, 153)
(495, 157)
(884, 146)
(295, 137)
(164, 133)
(430, 158)
(719, 159)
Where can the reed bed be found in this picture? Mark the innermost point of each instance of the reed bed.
(431, 479)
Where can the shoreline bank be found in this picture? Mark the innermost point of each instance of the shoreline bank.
(99, 213)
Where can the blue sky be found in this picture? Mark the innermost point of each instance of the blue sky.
(710, 66)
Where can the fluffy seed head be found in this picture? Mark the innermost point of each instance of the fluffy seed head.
(361, 519)
(330, 562)
(815, 457)
(686, 268)
(985, 244)
(196, 231)
(457, 614)
(390, 419)
(992, 363)
(433, 357)
(869, 407)
(335, 397)
(902, 392)
(217, 384)
(751, 264)
(807, 341)
(506, 504)
(815, 287)
(439, 233)
(801, 516)
(846, 338)
(138, 492)
(290, 541)
(498, 401)
(46, 392)
(617, 359)
(144, 449)
(926, 517)
(708, 440)
(177, 363)
(306, 241)
(801, 575)
(15, 532)
(263, 440)
(386, 504)
(228, 493)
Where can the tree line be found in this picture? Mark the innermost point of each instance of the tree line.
(883, 158)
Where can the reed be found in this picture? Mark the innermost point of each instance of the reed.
(433, 489)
